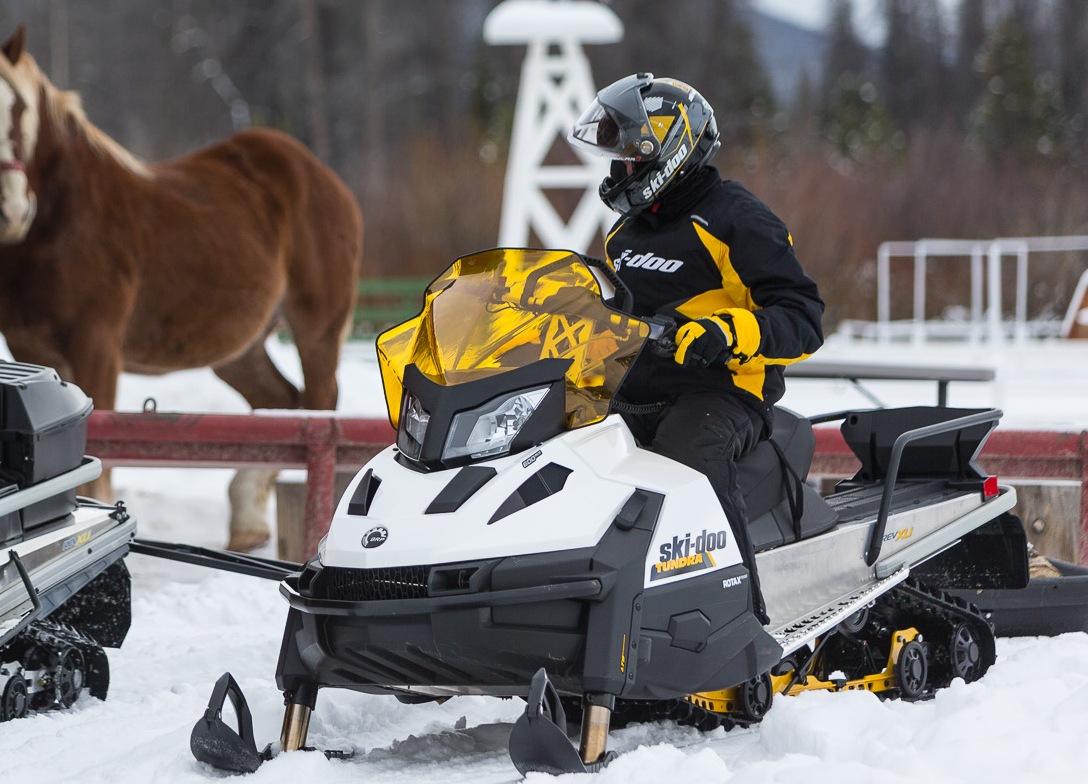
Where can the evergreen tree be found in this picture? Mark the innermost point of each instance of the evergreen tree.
(914, 76)
(1072, 40)
(971, 37)
(1018, 115)
(851, 117)
(737, 85)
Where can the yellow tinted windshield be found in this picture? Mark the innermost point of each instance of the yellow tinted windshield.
(503, 309)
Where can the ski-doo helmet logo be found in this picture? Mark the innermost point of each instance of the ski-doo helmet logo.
(647, 261)
(375, 537)
(659, 179)
(687, 554)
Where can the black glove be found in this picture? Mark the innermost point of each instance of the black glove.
(705, 342)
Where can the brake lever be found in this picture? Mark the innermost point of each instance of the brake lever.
(662, 340)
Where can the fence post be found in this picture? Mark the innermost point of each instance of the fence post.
(1082, 452)
(320, 436)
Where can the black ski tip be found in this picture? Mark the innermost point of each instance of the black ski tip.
(217, 744)
(538, 739)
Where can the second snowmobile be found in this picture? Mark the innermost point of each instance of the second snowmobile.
(516, 540)
(64, 587)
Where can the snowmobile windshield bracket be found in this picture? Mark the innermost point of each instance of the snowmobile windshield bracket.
(625, 300)
(876, 538)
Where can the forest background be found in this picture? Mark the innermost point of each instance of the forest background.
(968, 120)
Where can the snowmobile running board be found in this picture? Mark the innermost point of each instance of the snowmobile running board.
(802, 632)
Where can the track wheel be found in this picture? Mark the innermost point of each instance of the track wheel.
(69, 677)
(855, 623)
(965, 654)
(756, 696)
(911, 670)
(14, 701)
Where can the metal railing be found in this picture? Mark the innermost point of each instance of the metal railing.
(986, 312)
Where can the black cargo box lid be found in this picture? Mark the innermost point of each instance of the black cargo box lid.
(34, 400)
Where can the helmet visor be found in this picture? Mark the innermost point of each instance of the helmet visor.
(615, 125)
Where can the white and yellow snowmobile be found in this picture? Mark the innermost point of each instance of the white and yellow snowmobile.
(517, 541)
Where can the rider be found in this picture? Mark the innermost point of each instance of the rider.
(708, 253)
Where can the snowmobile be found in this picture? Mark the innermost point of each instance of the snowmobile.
(516, 541)
(64, 587)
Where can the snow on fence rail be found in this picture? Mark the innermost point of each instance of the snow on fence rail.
(321, 442)
(986, 315)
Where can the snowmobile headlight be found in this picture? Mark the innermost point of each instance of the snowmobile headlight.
(321, 548)
(489, 429)
(413, 427)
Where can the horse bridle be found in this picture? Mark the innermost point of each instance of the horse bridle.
(15, 163)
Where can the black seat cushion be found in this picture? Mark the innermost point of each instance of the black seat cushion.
(763, 483)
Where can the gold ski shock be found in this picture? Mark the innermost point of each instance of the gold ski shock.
(296, 725)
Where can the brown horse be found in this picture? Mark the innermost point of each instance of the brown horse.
(110, 264)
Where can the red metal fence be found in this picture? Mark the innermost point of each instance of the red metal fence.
(321, 443)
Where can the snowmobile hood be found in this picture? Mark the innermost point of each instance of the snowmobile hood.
(504, 309)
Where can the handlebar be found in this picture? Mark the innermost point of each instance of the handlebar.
(662, 328)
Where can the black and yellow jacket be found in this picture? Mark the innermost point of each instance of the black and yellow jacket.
(711, 247)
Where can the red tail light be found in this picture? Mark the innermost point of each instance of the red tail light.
(989, 488)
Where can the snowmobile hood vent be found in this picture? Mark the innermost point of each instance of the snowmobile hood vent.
(549, 480)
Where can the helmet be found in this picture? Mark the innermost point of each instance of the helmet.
(662, 126)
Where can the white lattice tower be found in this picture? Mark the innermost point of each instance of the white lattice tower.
(556, 85)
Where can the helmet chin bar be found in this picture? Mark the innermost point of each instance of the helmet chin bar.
(617, 192)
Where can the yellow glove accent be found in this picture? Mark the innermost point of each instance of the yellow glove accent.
(705, 342)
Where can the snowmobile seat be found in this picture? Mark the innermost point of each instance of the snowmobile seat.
(782, 507)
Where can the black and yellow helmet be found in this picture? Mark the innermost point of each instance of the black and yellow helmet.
(662, 127)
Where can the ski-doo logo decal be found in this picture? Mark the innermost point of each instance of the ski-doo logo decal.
(902, 533)
(531, 459)
(375, 537)
(681, 556)
(663, 176)
(647, 261)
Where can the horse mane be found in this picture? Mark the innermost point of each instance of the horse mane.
(65, 111)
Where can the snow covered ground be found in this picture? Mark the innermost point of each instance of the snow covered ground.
(1024, 722)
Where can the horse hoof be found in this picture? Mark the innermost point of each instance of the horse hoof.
(247, 541)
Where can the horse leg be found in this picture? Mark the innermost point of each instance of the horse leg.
(319, 357)
(256, 378)
(96, 367)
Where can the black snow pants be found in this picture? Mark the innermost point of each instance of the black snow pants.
(710, 433)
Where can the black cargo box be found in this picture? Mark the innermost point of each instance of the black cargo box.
(43, 433)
